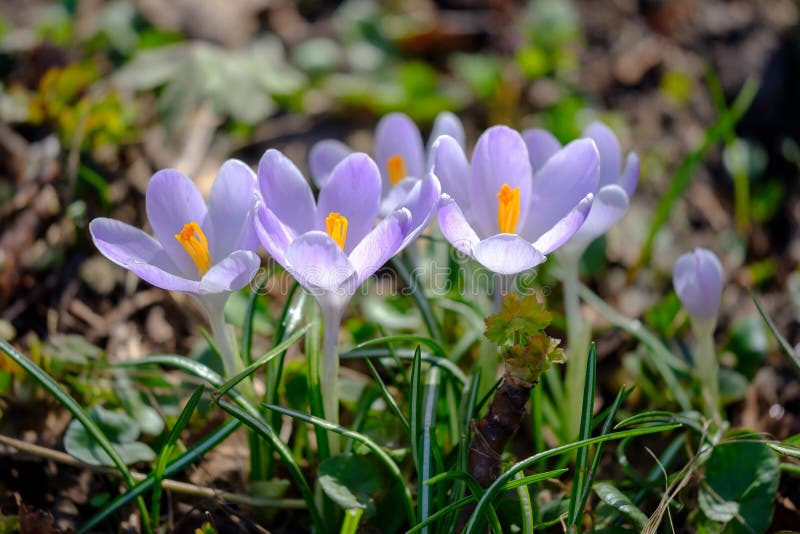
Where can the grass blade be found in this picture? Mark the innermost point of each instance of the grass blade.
(166, 452)
(263, 360)
(253, 420)
(364, 440)
(387, 396)
(427, 469)
(415, 406)
(496, 488)
(785, 345)
(428, 317)
(403, 354)
(179, 464)
(66, 400)
(585, 432)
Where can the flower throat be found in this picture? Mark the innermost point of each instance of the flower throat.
(508, 209)
(194, 242)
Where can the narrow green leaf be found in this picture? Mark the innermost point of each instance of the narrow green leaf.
(444, 363)
(183, 461)
(415, 405)
(428, 317)
(263, 360)
(166, 452)
(427, 467)
(66, 400)
(582, 463)
(495, 489)
(784, 344)
(387, 396)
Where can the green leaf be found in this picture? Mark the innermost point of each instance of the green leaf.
(120, 429)
(618, 500)
(582, 462)
(741, 482)
(351, 481)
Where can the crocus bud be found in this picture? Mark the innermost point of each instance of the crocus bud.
(697, 278)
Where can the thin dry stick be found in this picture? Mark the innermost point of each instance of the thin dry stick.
(167, 484)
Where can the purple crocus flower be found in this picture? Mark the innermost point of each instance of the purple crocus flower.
(506, 216)
(333, 245)
(614, 189)
(697, 278)
(204, 250)
(399, 151)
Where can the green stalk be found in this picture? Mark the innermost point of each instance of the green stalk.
(331, 320)
(578, 335)
(706, 365)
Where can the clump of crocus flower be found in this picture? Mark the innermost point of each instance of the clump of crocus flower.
(399, 153)
(500, 212)
(697, 277)
(204, 250)
(333, 245)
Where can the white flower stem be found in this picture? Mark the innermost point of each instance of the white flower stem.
(578, 336)
(231, 362)
(706, 365)
(331, 321)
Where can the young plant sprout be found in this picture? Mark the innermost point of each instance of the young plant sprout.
(333, 245)
(697, 278)
(612, 196)
(204, 250)
(506, 216)
(399, 152)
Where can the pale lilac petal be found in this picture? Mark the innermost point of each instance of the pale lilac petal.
(172, 201)
(630, 176)
(397, 135)
(609, 205)
(561, 185)
(455, 227)
(378, 247)
(396, 196)
(273, 235)
(542, 145)
(446, 123)
(610, 154)
(133, 249)
(564, 229)
(323, 157)
(500, 157)
(230, 210)
(697, 278)
(286, 192)
(451, 167)
(354, 191)
(507, 254)
(231, 274)
(421, 204)
(320, 266)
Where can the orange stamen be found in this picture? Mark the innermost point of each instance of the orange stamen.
(336, 227)
(508, 209)
(194, 242)
(397, 168)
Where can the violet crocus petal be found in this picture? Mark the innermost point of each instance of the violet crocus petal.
(455, 227)
(565, 229)
(450, 165)
(323, 157)
(230, 274)
(697, 278)
(421, 204)
(133, 249)
(630, 176)
(542, 145)
(507, 254)
(383, 242)
(273, 235)
(446, 123)
(230, 210)
(320, 266)
(609, 205)
(396, 196)
(500, 157)
(610, 154)
(286, 192)
(397, 135)
(560, 185)
(172, 201)
(354, 191)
